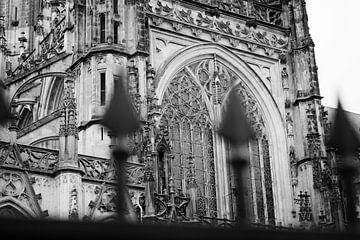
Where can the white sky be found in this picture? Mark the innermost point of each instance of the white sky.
(335, 29)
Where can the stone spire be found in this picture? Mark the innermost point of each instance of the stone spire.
(69, 201)
(307, 105)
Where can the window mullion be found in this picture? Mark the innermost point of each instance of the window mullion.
(203, 132)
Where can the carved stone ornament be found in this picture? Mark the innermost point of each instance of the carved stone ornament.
(18, 186)
(101, 59)
(164, 11)
(11, 184)
(107, 200)
(31, 158)
(311, 118)
(97, 169)
(51, 46)
(135, 174)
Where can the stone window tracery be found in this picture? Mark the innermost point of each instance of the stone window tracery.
(191, 135)
(196, 90)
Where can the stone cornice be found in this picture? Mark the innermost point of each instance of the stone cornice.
(197, 24)
(230, 9)
(106, 48)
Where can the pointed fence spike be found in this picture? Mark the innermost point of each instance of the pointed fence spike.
(234, 126)
(343, 136)
(121, 117)
(236, 129)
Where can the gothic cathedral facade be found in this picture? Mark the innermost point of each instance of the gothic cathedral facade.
(59, 61)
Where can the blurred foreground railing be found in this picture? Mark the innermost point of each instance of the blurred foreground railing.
(25, 229)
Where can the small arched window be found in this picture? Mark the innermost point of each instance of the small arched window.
(16, 14)
(115, 5)
(102, 28)
(116, 35)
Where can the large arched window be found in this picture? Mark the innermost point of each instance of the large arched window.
(192, 105)
(258, 180)
(192, 136)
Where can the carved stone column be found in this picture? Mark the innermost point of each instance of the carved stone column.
(68, 175)
(149, 187)
(308, 142)
(68, 133)
(192, 188)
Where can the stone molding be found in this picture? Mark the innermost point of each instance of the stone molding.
(197, 24)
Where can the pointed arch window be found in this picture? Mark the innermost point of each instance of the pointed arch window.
(196, 90)
(258, 180)
(116, 32)
(191, 135)
(102, 89)
(16, 14)
(116, 7)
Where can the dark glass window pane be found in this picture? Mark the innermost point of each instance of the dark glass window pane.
(116, 27)
(116, 10)
(102, 89)
(102, 28)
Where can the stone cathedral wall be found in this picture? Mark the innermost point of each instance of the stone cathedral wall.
(75, 51)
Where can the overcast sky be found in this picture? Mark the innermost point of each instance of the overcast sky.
(335, 28)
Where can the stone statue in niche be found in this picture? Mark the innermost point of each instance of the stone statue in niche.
(293, 167)
(314, 87)
(73, 209)
(289, 125)
(285, 78)
(311, 115)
